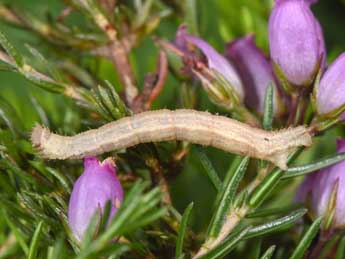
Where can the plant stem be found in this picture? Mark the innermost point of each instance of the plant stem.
(258, 179)
(295, 97)
(119, 56)
(233, 218)
(231, 222)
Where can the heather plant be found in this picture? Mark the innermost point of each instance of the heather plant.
(172, 129)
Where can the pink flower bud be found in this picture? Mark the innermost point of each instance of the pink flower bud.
(331, 90)
(318, 187)
(255, 70)
(296, 40)
(214, 60)
(94, 188)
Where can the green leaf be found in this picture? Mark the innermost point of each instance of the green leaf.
(241, 199)
(105, 217)
(227, 198)
(40, 111)
(182, 230)
(11, 50)
(149, 217)
(265, 187)
(24, 176)
(276, 225)
(274, 211)
(255, 248)
(10, 117)
(306, 240)
(92, 229)
(34, 242)
(191, 19)
(268, 111)
(109, 103)
(341, 249)
(57, 251)
(51, 172)
(61, 178)
(227, 246)
(123, 110)
(43, 82)
(309, 168)
(269, 252)
(270, 181)
(16, 232)
(283, 80)
(211, 172)
(50, 67)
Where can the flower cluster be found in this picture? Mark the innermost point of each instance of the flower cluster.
(297, 52)
(298, 59)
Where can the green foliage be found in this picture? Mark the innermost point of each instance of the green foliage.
(306, 239)
(269, 253)
(227, 198)
(211, 172)
(182, 231)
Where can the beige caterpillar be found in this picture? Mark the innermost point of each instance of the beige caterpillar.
(163, 125)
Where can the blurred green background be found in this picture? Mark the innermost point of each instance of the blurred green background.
(219, 21)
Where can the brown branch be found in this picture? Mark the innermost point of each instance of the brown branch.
(108, 5)
(162, 72)
(64, 13)
(153, 85)
(157, 175)
(119, 56)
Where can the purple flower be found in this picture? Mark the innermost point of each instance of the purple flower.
(317, 189)
(331, 91)
(310, 2)
(255, 70)
(94, 188)
(296, 40)
(214, 60)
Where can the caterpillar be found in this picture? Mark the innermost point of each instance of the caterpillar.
(165, 125)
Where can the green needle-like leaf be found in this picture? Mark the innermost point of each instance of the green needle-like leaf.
(11, 50)
(269, 252)
(306, 169)
(17, 233)
(34, 242)
(50, 67)
(276, 225)
(255, 248)
(43, 82)
(226, 247)
(266, 186)
(182, 230)
(10, 117)
(191, 16)
(340, 250)
(211, 172)
(307, 239)
(268, 112)
(227, 198)
(274, 211)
